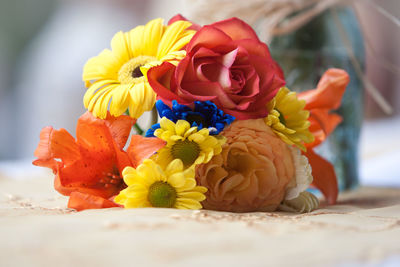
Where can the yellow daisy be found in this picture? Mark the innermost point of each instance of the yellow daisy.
(149, 185)
(186, 143)
(116, 78)
(288, 118)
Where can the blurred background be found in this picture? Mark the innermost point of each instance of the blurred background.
(45, 43)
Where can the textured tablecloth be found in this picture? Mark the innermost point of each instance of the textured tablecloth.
(37, 230)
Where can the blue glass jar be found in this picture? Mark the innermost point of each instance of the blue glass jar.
(304, 56)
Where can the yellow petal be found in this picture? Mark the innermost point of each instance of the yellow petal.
(120, 100)
(181, 127)
(175, 166)
(119, 47)
(200, 189)
(192, 195)
(187, 203)
(90, 93)
(190, 183)
(174, 56)
(190, 131)
(153, 31)
(103, 66)
(167, 124)
(177, 180)
(171, 35)
(141, 100)
(196, 137)
(182, 41)
(135, 44)
(99, 105)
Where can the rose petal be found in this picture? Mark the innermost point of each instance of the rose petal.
(236, 29)
(207, 37)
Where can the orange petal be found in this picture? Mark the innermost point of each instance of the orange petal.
(68, 187)
(81, 201)
(93, 134)
(55, 144)
(120, 128)
(142, 148)
(101, 155)
(91, 164)
(322, 125)
(329, 91)
(324, 176)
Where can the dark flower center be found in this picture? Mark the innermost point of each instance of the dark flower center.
(162, 195)
(198, 119)
(136, 73)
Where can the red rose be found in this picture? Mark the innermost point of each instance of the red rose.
(225, 63)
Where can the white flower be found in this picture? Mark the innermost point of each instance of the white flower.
(302, 178)
(305, 202)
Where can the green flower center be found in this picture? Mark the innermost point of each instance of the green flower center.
(282, 118)
(187, 151)
(162, 195)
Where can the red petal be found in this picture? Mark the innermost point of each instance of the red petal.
(253, 47)
(237, 29)
(324, 176)
(81, 201)
(208, 37)
(159, 78)
(142, 148)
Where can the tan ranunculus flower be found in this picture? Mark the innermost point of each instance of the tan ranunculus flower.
(251, 174)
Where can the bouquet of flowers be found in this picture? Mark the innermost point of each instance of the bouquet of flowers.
(231, 136)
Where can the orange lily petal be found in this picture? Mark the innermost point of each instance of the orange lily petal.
(142, 148)
(80, 201)
(93, 162)
(329, 91)
(98, 135)
(47, 151)
(324, 176)
(322, 124)
(320, 101)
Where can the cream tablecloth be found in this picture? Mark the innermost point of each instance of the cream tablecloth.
(37, 230)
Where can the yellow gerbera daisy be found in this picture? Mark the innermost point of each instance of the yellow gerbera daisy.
(288, 119)
(116, 77)
(149, 185)
(186, 143)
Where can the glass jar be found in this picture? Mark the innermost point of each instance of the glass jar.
(304, 56)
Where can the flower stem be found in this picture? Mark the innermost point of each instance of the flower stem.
(154, 116)
(138, 129)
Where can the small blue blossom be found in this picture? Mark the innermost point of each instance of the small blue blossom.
(204, 115)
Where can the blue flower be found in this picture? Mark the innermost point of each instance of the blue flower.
(204, 115)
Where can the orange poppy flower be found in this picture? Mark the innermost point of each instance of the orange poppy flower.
(320, 102)
(88, 168)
